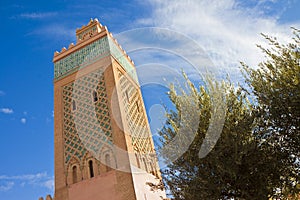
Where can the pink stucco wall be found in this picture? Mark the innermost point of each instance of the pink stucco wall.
(98, 188)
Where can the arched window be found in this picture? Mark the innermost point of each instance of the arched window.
(73, 105)
(95, 96)
(107, 162)
(91, 169)
(74, 173)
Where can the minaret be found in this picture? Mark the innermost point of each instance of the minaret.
(102, 139)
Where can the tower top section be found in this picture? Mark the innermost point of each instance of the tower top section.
(85, 35)
(94, 42)
(89, 30)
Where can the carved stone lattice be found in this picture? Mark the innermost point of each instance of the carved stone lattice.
(135, 116)
(87, 126)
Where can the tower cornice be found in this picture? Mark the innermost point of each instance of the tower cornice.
(85, 35)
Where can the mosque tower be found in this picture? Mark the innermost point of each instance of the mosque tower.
(102, 140)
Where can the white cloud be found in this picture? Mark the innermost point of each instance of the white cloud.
(6, 110)
(39, 179)
(49, 184)
(36, 15)
(24, 177)
(23, 120)
(227, 30)
(55, 31)
(7, 186)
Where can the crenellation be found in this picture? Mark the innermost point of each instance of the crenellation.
(91, 21)
(115, 40)
(93, 28)
(83, 34)
(125, 53)
(79, 41)
(48, 197)
(63, 49)
(71, 45)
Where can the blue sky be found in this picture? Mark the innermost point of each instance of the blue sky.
(31, 31)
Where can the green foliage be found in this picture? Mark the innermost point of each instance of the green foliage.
(256, 155)
(276, 86)
(236, 165)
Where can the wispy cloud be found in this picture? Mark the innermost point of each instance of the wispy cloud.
(6, 110)
(48, 184)
(227, 30)
(36, 15)
(23, 120)
(6, 186)
(39, 179)
(2, 93)
(55, 31)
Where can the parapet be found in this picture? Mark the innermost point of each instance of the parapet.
(85, 32)
(70, 59)
(93, 28)
(48, 197)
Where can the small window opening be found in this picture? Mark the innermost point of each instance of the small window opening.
(73, 105)
(145, 163)
(152, 169)
(95, 96)
(107, 162)
(127, 96)
(74, 173)
(138, 161)
(137, 106)
(91, 169)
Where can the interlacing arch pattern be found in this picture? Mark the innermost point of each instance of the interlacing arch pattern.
(135, 118)
(86, 131)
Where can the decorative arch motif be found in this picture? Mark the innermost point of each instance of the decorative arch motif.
(73, 171)
(107, 157)
(136, 119)
(94, 130)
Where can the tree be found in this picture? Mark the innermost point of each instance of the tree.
(257, 154)
(276, 87)
(236, 166)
